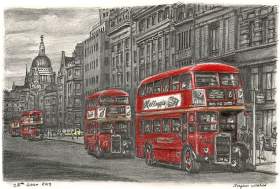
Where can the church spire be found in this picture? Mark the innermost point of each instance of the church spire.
(26, 83)
(14, 85)
(42, 47)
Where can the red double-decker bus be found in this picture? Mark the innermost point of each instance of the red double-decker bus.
(108, 124)
(14, 129)
(31, 124)
(189, 116)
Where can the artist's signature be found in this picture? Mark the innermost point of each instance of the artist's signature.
(248, 185)
(32, 184)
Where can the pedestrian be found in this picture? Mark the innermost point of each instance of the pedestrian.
(250, 143)
(273, 140)
(72, 134)
(261, 137)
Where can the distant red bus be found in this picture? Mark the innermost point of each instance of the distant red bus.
(14, 128)
(189, 116)
(31, 125)
(107, 130)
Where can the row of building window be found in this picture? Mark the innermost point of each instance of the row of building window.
(92, 81)
(154, 19)
(120, 18)
(92, 65)
(184, 39)
(91, 49)
(263, 79)
(117, 61)
(119, 46)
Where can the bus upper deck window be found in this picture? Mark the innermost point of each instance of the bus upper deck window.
(229, 79)
(175, 83)
(186, 81)
(165, 85)
(157, 85)
(206, 79)
(142, 90)
(149, 89)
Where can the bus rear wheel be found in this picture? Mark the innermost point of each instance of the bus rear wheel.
(189, 163)
(149, 155)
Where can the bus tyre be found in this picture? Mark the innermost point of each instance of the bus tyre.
(189, 163)
(98, 152)
(237, 164)
(149, 155)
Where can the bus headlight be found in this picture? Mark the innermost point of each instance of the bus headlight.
(240, 96)
(198, 97)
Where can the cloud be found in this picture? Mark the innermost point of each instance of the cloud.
(62, 28)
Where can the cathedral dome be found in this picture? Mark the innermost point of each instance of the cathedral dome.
(41, 61)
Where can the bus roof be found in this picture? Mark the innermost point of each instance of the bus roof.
(202, 67)
(33, 112)
(108, 92)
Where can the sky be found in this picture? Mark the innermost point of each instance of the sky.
(62, 30)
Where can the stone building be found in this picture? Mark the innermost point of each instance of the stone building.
(96, 59)
(69, 90)
(154, 40)
(256, 57)
(40, 75)
(121, 45)
(241, 36)
(50, 107)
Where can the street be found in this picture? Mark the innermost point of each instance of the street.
(58, 160)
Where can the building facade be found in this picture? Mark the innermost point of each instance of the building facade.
(96, 59)
(121, 45)
(154, 40)
(50, 108)
(241, 36)
(70, 90)
(256, 57)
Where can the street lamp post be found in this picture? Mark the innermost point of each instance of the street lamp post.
(254, 127)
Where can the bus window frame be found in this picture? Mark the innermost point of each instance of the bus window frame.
(149, 88)
(216, 76)
(237, 78)
(181, 81)
(157, 126)
(165, 85)
(176, 83)
(157, 87)
(144, 127)
(172, 125)
(168, 125)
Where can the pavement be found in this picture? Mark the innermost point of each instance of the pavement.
(268, 168)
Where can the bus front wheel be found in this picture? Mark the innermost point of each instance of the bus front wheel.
(237, 164)
(189, 163)
(98, 152)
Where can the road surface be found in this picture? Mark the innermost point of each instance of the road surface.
(58, 160)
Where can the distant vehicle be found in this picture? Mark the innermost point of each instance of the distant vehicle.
(14, 129)
(108, 124)
(189, 116)
(78, 132)
(31, 125)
